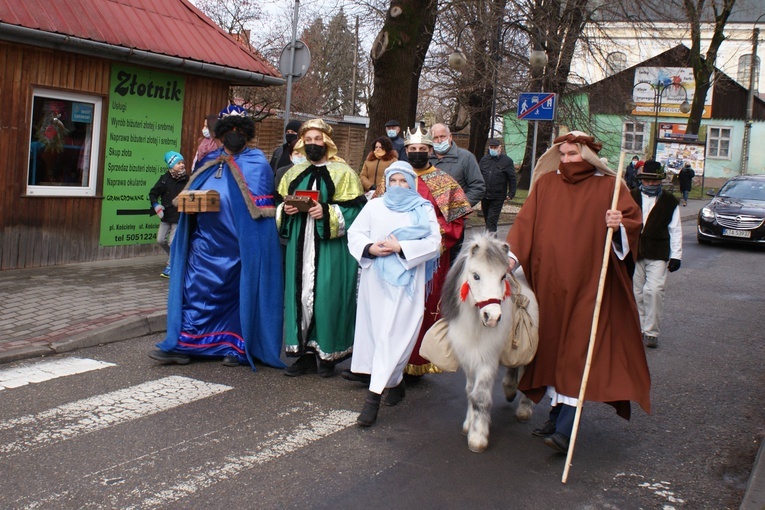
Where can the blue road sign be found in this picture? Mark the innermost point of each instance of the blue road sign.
(536, 106)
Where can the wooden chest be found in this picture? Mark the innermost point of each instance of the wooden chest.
(196, 201)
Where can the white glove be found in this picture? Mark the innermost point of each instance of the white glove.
(160, 211)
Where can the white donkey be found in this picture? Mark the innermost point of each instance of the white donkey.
(476, 305)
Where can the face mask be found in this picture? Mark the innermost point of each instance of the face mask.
(315, 152)
(296, 160)
(442, 147)
(379, 153)
(652, 190)
(234, 141)
(493, 152)
(418, 160)
(290, 136)
(576, 171)
(206, 132)
(391, 133)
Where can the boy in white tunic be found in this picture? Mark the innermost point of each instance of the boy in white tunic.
(396, 239)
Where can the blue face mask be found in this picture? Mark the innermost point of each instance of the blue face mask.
(652, 190)
(296, 160)
(442, 147)
(391, 133)
(493, 152)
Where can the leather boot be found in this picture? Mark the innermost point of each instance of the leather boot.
(369, 412)
(395, 394)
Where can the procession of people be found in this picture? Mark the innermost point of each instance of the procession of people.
(322, 263)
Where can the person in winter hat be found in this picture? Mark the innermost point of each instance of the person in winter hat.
(161, 197)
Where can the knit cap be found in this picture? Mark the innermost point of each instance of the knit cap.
(172, 158)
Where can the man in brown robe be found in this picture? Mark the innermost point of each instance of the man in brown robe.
(558, 239)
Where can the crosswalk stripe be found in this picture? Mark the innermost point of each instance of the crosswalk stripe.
(280, 443)
(101, 411)
(47, 370)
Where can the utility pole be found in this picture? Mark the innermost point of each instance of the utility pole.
(747, 142)
(355, 67)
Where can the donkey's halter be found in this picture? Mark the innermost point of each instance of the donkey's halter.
(491, 301)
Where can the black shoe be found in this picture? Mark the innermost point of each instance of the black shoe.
(326, 368)
(395, 394)
(651, 341)
(369, 412)
(169, 358)
(558, 442)
(411, 380)
(229, 360)
(355, 376)
(305, 364)
(547, 429)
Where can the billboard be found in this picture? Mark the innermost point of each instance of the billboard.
(674, 84)
(144, 122)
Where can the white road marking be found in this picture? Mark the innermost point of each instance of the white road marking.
(96, 413)
(47, 370)
(279, 443)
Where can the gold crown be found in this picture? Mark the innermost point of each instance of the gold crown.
(418, 137)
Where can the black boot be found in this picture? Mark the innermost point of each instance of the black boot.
(369, 413)
(305, 364)
(395, 394)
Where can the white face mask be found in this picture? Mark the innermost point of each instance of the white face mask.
(442, 147)
(391, 133)
(296, 160)
(206, 132)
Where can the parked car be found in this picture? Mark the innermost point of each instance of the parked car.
(736, 213)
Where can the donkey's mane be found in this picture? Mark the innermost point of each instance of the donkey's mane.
(492, 251)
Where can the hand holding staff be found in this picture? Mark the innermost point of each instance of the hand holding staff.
(612, 221)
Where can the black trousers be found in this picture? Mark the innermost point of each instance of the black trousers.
(491, 208)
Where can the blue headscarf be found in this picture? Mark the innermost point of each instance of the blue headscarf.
(408, 200)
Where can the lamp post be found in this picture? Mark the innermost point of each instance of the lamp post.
(658, 93)
(750, 98)
(537, 61)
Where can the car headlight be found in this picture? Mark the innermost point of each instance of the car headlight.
(707, 214)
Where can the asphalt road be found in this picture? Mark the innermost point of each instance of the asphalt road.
(130, 433)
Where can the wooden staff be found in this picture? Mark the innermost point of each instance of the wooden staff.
(595, 317)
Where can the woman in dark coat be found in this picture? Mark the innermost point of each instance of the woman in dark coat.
(685, 177)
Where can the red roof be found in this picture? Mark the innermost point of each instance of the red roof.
(168, 27)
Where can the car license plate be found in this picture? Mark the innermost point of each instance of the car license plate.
(737, 233)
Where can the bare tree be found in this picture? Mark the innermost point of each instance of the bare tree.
(703, 66)
(398, 54)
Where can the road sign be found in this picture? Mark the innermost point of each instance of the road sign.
(536, 106)
(301, 64)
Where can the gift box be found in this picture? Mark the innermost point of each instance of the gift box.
(198, 201)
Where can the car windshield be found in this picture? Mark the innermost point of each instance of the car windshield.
(743, 190)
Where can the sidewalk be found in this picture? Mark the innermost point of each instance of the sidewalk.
(58, 309)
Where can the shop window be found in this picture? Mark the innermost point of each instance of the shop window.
(718, 142)
(634, 136)
(63, 144)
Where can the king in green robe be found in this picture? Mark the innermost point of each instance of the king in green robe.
(320, 273)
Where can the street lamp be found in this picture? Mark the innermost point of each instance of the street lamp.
(537, 62)
(658, 93)
(750, 97)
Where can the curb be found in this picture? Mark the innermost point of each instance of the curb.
(124, 329)
(754, 496)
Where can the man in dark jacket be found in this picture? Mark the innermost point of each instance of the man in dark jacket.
(281, 155)
(660, 248)
(161, 197)
(393, 131)
(498, 173)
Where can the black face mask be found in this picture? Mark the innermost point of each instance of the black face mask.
(418, 160)
(315, 152)
(234, 141)
(290, 137)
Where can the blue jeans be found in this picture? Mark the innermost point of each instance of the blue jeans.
(685, 195)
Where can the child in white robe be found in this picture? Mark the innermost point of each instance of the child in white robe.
(396, 239)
